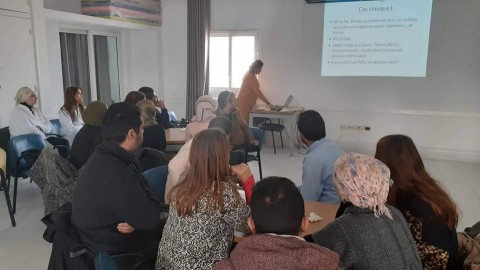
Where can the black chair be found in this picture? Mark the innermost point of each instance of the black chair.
(249, 149)
(272, 127)
(4, 186)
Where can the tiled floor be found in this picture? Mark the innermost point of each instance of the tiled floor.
(23, 248)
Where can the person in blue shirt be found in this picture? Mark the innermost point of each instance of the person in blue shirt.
(317, 183)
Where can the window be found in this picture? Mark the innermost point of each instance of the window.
(231, 54)
(90, 61)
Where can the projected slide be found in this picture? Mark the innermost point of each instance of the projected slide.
(376, 38)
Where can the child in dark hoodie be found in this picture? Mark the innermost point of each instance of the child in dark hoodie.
(278, 218)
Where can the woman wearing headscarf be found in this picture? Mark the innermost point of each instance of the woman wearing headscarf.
(370, 234)
(27, 119)
(205, 111)
(90, 135)
(154, 134)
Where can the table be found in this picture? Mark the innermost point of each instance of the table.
(289, 118)
(325, 210)
(175, 136)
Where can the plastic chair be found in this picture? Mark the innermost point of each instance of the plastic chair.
(19, 165)
(4, 186)
(273, 127)
(172, 116)
(4, 139)
(249, 149)
(157, 180)
(125, 261)
(103, 261)
(56, 128)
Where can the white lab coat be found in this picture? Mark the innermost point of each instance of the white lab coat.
(23, 121)
(70, 128)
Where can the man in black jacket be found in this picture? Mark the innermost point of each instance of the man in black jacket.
(161, 116)
(113, 208)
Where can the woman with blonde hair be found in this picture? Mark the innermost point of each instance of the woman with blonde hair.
(154, 134)
(27, 119)
(205, 207)
(70, 115)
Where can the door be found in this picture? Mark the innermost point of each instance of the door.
(17, 61)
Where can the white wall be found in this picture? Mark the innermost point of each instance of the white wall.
(440, 112)
(174, 53)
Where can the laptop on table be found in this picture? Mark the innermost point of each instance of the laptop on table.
(287, 102)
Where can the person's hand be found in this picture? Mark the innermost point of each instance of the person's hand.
(125, 228)
(241, 172)
(160, 103)
(271, 106)
(254, 142)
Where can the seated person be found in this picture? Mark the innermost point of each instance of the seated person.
(317, 184)
(90, 135)
(27, 119)
(205, 207)
(134, 97)
(241, 134)
(113, 208)
(70, 115)
(278, 218)
(427, 207)
(154, 135)
(179, 163)
(370, 234)
(161, 116)
(205, 111)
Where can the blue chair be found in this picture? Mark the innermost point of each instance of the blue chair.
(4, 186)
(249, 149)
(125, 261)
(103, 261)
(18, 153)
(273, 127)
(56, 128)
(172, 116)
(157, 180)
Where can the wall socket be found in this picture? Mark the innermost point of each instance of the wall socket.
(348, 127)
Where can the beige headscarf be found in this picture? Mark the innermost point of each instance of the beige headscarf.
(148, 111)
(94, 113)
(364, 181)
(23, 94)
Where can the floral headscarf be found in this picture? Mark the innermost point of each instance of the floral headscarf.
(363, 181)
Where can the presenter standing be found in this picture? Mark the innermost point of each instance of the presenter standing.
(250, 90)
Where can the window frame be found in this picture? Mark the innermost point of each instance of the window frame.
(230, 34)
(92, 57)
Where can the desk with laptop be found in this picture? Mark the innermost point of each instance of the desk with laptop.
(287, 114)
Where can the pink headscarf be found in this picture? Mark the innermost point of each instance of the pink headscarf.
(363, 181)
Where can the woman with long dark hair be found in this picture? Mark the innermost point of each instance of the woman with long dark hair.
(70, 115)
(205, 207)
(427, 207)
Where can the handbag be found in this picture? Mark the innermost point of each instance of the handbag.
(471, 247)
